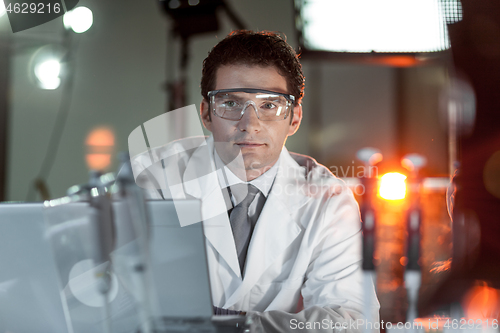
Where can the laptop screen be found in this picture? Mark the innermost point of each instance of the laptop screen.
(33, 298)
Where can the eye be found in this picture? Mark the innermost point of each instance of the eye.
(268, 105)
(229, 104)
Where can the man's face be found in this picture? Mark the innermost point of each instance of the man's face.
(260, 142)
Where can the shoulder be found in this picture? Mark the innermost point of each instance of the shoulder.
(305, 169)
(311, 166)
(324, 198)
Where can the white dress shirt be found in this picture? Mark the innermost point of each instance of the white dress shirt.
(264, 183)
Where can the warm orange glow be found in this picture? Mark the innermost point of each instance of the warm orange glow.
(100, 144)
(407, 164)
(482, 302)
(441, 266)
(98, 161)
(100, 137)
(434, 323)
(392, 186)
(403, 261)
(399, 61)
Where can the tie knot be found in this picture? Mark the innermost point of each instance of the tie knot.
(246, 191)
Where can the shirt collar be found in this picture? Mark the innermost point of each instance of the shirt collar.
(264, 182)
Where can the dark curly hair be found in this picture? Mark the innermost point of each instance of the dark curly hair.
(261, 48)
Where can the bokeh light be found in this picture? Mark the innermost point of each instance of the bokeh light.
(2, 9)
(482, 302)
(100, 144)
(47, 72)
(79, 19)
(392, 186)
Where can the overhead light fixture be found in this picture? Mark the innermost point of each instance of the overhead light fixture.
(79, 19)
(381, 26)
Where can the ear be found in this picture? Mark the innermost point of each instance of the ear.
(297, 118)
(205, 115)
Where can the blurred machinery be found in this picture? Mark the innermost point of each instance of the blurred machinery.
(190, 18)
(393, 200)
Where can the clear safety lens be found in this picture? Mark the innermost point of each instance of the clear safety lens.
(232, 105)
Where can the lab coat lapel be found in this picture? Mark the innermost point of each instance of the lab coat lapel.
(200, 183)
(277, 226)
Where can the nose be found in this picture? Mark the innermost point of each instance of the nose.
(249, 122)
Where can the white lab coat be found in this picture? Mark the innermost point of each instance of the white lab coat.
(307, 240)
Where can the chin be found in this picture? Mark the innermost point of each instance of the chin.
(251, 164)
(257, 165)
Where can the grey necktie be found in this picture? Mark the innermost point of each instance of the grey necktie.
(242, 226)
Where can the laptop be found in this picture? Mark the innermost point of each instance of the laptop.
(38, 294)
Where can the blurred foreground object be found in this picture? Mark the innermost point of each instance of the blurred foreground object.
(476, 53)
(82, 239)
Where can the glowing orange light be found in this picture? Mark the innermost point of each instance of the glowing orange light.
(392, 186)
(100, 137)
(400, 61)
(100, 143)
(403, 261)
(98, 161)
(482, 302)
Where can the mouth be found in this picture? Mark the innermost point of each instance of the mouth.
(249, 144)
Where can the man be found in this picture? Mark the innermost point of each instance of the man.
(287, 248)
